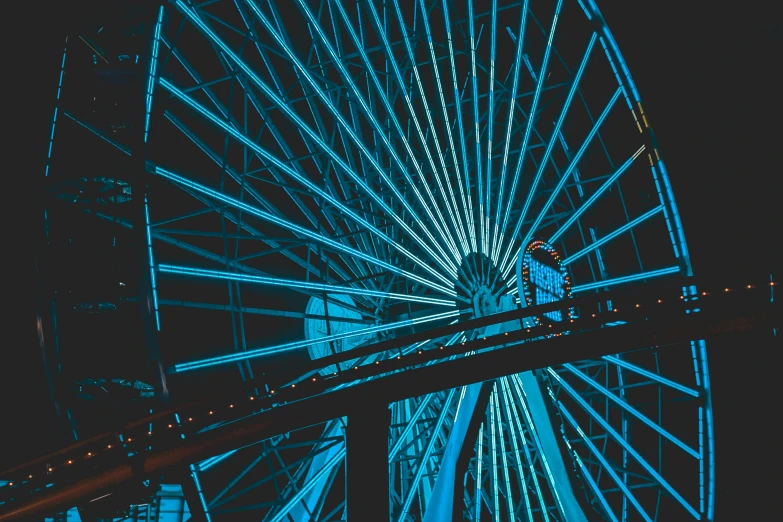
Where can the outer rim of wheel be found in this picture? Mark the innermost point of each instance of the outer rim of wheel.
(707, 420)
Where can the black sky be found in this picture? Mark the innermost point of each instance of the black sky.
(711, 82)
(710, 76)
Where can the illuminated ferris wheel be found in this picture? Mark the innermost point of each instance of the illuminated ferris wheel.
(329, 174)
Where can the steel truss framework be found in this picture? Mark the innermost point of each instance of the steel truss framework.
(389, 160)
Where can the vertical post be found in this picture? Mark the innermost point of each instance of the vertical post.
(191, 489)
(367, 463)
(468, 448)
(139, 155)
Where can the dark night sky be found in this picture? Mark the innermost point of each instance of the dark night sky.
(711, 82)
(710, 78)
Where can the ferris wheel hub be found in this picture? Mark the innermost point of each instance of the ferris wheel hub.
(484, 302)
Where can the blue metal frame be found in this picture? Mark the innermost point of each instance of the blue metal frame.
(327, 150)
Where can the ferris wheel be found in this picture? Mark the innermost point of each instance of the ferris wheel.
(328, 174)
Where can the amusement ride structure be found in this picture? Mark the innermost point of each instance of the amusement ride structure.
(330, 259)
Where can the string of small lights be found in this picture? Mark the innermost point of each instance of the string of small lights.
(167, 429)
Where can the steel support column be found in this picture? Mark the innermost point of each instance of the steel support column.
(367, 464)
(193, 496)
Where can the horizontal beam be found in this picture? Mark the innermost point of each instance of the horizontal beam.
(391, 344)
(666, 331)
(450, 329)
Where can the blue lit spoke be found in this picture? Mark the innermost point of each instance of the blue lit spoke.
(511, 106)
(563, 178)
(291, 283)
(379, 131)
(151, 263)
(595, 488)
(650, 375)
(444, 232)
(227, 116)
(586, 205)
(494, 452)
(479, 459)
(280, 103)
(367, 110)
(190, 248)
(197, 483)
(531, 117)
(280, 348)
(476, 133)
(306, 182)
(627, 407)
(152, 75)
(625, 279)
(442, 259)
(152, 72)
(531, 427)
(215, 157)
(439, 224)
(606, 465)
(628, 226)
(284, 107)
(624, 427)
(56, 109)
(596, 417)
(336, 459)
(490, 113)
(503, 458)
(266, 216)
(422, 467)
(406, 97)
(268, 207)
(528, 456)
(409, 426)
(457, 98)
(513, 425)
(458, 226)
(447, 124)
(547, 153)
(206, 464)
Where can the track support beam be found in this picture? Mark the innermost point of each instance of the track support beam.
(191, 490)
(367, 466)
